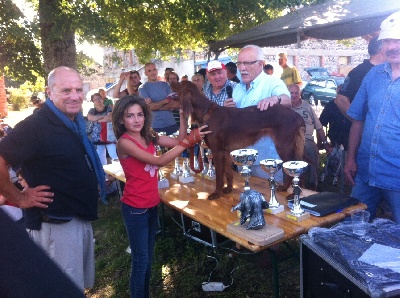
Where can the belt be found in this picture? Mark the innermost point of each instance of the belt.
(55, 220)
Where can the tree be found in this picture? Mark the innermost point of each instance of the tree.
(19, 55)
(159, 28)
(155, 28)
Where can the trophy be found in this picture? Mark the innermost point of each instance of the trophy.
(271, 166)
(245, 158)
(210, 174)
(295, 169)
(185, 177)
(177, 170)
(202, 156)
(162, 181)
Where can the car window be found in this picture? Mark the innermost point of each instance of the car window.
(330, 84)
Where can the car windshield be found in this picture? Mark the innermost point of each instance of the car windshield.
(318, 83)
(318, 72)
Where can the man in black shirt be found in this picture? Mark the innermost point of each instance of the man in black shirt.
(355, 77)
(64, 175)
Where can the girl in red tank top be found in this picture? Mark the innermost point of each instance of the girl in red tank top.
(136, 151)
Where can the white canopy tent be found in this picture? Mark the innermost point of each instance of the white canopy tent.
(334, 19)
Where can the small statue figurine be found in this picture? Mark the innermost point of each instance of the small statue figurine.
(252, 203)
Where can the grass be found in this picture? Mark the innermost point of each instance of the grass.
(180, 264)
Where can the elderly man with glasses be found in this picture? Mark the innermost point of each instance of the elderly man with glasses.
(262, 90)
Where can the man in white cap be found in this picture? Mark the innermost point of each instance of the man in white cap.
(290, 75)
(373, 159)
(220, 87)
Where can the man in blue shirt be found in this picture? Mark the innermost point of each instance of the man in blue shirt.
(156, 93)
(373, 159)
(262, 90)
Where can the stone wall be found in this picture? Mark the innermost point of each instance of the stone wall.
(337, 57)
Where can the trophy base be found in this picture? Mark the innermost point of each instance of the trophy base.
(209, 177)
(264, 236)
(297, 217)
(163, 183)
(186, 179)
(275, 210)
(174, 176)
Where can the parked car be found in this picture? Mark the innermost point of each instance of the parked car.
(321, 89)
(317, 72)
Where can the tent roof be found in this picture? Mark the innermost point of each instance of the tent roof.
(334, 19)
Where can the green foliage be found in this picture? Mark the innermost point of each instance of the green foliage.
(19, 98)
(154, 28)
(347, 42)
(86, 65)
(19, 56)
(34, 87)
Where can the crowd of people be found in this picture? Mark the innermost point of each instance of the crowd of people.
(60, 156)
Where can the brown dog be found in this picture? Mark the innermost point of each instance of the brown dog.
(234, 128)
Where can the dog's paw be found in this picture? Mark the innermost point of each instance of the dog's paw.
(227, 189)
(214, 195)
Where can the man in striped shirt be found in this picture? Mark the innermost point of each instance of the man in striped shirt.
(220, 88)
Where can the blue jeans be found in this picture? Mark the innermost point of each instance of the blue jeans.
(141, 226)
(372, 196)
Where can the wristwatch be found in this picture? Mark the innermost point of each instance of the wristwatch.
(279, 99)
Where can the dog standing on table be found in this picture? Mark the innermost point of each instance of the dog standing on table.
(235, 128)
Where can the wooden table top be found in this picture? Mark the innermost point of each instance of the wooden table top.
(191, 200)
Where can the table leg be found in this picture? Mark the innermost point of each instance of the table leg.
(162, 219)
(119, 189)
(275, 271)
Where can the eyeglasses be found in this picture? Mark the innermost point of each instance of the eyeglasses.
(246, 63)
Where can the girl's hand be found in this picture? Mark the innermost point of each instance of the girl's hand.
(195, 136)
(204, 133)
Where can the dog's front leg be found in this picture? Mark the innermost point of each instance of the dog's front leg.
(227, 162)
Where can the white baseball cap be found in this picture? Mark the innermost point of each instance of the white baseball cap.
(215, 65)
(390, 27)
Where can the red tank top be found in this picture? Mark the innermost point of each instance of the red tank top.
(141, 187)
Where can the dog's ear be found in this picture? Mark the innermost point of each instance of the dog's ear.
(175, 86)
(186, 104)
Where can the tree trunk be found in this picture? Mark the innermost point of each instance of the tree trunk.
(57, 36)
(3, 99)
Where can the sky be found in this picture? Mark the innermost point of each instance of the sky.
(93, 51)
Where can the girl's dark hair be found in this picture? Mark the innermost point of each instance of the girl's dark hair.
(118, 113)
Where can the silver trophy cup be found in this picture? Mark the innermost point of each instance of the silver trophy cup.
(203, 158)
(186, 177)
(210, 172)
(272, 166)
(245, 158)
(162, 181)
(177, 170)
(295, 169)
